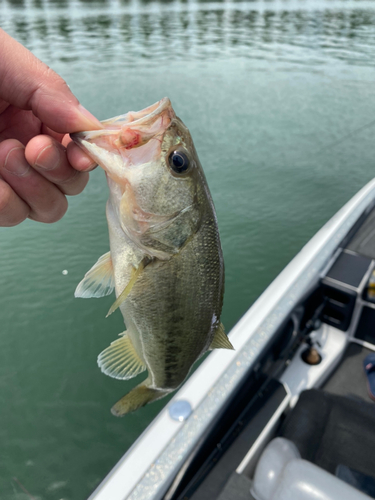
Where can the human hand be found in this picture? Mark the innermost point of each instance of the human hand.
(39, 164)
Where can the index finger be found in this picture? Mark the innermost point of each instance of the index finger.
(28, 83)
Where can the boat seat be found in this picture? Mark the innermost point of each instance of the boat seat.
(330, 430)
(282, 475)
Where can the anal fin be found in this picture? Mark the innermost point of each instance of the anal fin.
(98, 281)
(220, 340)
(120, 360)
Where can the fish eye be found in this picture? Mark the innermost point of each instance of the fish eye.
(178, 162)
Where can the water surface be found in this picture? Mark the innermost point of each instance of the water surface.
(276, 94)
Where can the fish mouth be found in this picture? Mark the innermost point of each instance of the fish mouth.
(146, 116)
(123, 135)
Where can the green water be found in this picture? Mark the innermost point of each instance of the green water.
(264, 87)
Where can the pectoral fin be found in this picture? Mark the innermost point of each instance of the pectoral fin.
(120, 359)
(220, 340)
(99, 281)
(135, 273)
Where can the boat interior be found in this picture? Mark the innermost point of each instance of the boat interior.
(302, 423)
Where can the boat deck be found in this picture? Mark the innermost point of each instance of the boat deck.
(349, 378)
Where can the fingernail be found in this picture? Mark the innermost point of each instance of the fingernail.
(48, 158)
(15, 162)
(91, 123)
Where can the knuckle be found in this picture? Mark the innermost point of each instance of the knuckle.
(80, 188)
(75, 184)
(48, 79)
(10, 215)
(49, 208)
(58, 211)
(5, 197)
(48, 76)
(72, 179)
(14, 221)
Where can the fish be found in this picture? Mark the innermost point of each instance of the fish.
(165, 261)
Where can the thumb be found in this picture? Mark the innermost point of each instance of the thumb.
(27, 83)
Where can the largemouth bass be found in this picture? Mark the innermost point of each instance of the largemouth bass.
(165, 260)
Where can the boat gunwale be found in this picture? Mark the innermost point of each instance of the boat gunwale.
(217, 377)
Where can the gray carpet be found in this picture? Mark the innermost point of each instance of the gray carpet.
(349, 378)
(237, 488)
(331, 430)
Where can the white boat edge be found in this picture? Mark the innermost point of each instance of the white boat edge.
(153, 460)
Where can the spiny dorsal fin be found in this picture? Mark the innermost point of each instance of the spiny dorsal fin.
(135, 273)
(99, 281)
(120, 359)
(220, 340)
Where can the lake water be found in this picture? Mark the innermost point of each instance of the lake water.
(279, 97)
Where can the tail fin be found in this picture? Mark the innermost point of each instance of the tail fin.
(136, 398)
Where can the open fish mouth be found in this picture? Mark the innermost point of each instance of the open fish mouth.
(124, 134)
(147, 116)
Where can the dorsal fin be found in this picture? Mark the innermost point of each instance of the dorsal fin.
(98, 281)
(120, 359)
(220, 340)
